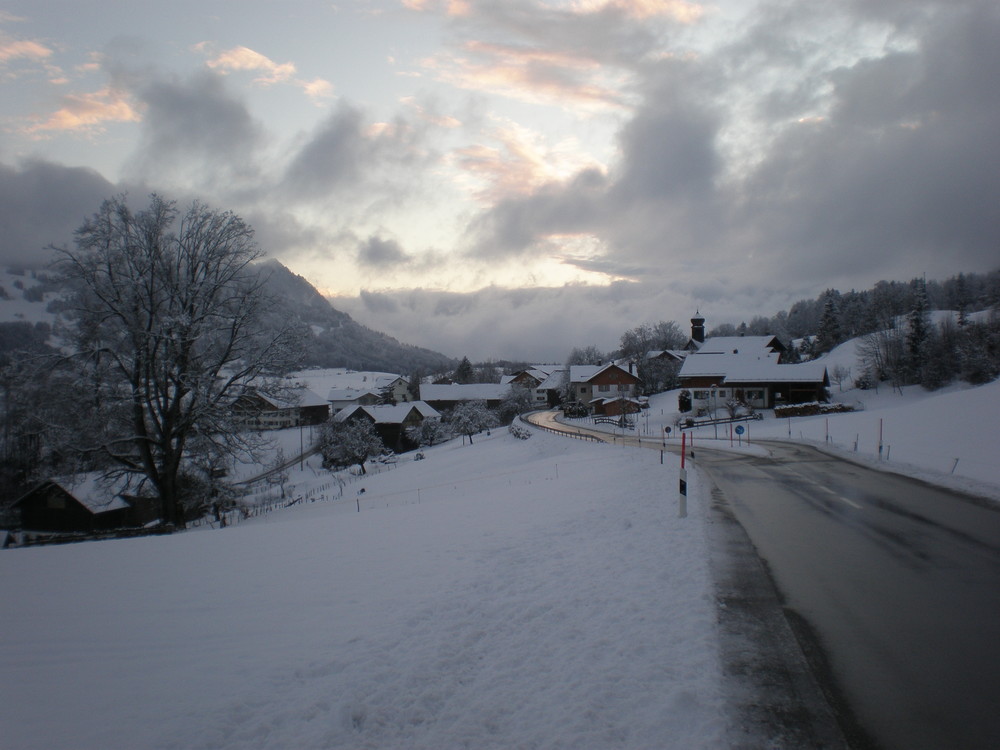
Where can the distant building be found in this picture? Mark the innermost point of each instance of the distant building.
(747, 369)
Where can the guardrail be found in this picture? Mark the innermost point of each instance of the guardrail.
(690, 424)
(565, 433)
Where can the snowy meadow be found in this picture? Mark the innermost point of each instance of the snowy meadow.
(512, 593)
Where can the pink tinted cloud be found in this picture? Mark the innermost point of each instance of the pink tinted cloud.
(89, 112)
(528, 73)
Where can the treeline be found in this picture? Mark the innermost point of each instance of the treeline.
(836, 316)
(900, 342)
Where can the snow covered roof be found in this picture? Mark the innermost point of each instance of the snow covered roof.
(310, 398)
(391, 413)
(751, 372)
(670, 353)
(555, 380)
(584, 373)
(297, 396)
(463, 391)
(92, 492)
(750, 369)
(349, 394)
(699, 364)
(740, 345)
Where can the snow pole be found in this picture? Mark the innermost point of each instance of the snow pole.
(682, 509)
(880, 439)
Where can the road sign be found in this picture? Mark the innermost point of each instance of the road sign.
(740, 429)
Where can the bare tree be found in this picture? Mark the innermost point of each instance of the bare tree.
(839, 374)
(166, 325)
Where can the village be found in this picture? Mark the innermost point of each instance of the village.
(735, 376)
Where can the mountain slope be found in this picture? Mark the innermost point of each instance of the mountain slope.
(336, 339)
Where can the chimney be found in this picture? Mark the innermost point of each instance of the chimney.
(698, 328)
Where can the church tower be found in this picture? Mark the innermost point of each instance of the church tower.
(698, 328)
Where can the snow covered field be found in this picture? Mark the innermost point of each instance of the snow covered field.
(539, 593)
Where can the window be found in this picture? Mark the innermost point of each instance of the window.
(722, 393)
(604, 388)
(700, 395)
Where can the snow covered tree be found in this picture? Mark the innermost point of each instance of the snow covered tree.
(588, 355)
(517, 400)
(472, 417)
(429, 432)
(918, 331)
(464, 373)
(165, 317)
(348, 443)
(829, 334)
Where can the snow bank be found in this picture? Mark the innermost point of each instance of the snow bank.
(539, 593)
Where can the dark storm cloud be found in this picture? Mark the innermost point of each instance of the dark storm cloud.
(348, 152)
(513, 226)
(376, 252)
(41, 204)
(897, 177)
(906, 170)
(196, 128)
(333, 156)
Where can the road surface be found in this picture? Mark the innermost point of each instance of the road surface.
(893, 585)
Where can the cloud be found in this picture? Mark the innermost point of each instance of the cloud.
(90, 112)
(376, 252)
(534, 324)
(22, 49)
(897, 175)
(196, 132)
(519, 163)
(244, 59)
(678, 10)
(42, 204)
(358, 161)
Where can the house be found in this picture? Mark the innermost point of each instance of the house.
(396, 390)
(747, 369)
(88, 507)
(615, 406)
(391, 421)
(589, 383)
(448, 396)
(343, 398)
(298, 406)
(544, 382)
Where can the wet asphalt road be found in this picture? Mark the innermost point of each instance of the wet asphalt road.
(897, 582)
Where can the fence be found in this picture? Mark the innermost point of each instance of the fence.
(564, 433)
(275, 497)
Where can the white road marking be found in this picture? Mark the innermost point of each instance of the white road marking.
(839, 497)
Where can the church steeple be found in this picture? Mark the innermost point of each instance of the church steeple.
(698, 328)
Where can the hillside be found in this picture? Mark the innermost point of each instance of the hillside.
(335, 339)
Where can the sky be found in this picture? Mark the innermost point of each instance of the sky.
(514, 178)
